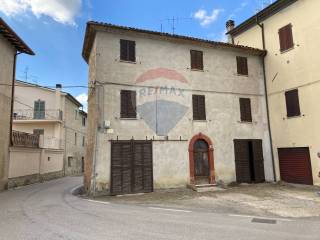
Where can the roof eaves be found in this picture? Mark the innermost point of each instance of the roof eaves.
(14, 39)
(260, 16)
(92, 28)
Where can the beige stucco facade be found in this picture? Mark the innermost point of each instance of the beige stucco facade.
(219, 82)
(62, 122)
(297, 68)
(6, 75)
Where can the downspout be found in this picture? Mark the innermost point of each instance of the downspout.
(12, 93)
(261, 25)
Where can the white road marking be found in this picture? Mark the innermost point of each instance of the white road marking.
(170, 209)
(269, 218)
(94, 201)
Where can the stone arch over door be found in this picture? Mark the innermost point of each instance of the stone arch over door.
(195, 138)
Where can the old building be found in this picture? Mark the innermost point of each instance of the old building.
(168, 111)
(55, 116)
(10, 46)
(289, 31)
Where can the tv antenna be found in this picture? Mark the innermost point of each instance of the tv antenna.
(26, 76)
(173, 23)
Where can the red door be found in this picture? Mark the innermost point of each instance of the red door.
(295, 165)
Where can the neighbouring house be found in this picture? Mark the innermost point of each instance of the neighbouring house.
(168, 111)
(289, 31)
(31, 162)
(10, 46)
(55, 116)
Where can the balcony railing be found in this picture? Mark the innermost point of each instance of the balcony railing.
(21, 139)
(30, 114)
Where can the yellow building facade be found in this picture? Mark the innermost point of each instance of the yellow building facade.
(290, 32)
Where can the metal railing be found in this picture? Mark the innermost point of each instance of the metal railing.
(30, 114)
(21, 139)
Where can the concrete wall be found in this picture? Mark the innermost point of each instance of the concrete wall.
(220, 84)
(28, 165)
(6, 75)
(294, 69)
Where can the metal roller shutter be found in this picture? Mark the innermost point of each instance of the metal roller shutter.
(295, 166)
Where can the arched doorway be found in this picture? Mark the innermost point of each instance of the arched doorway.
(201, 160)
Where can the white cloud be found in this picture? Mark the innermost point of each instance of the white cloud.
(83, 99)
(62, 11)
(205, 18)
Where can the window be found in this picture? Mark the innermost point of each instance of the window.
(245, 110)
(76, 114)
(128, 104)
(83, 141)
(199, 107)
(286, 38)
(83, 121)
(127, 50)
(70, 159)
(39, 109)
(292, 102)
(196, 60)
(242, 65)
(38, 132)
(75, 138)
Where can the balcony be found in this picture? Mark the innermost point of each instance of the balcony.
(30, 114)
(21, 139)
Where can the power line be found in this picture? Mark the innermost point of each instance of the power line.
(52, 87)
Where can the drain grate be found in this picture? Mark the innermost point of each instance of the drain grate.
(263, 220)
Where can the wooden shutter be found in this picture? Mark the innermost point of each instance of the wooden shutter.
(199, 107)
(242, 156)
(242, 65)
(196, 59)
(258, 161)
(128, 104)
(39, 110)
(245, 109)
(292, 103)
(127, 50)
(286, 37)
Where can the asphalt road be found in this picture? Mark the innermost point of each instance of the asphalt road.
(49, 211)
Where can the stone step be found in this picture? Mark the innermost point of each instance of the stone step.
(205, 187)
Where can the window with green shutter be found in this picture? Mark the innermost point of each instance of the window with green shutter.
(39, 109)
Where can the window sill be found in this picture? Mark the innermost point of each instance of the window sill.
(246, 122)
(287, 50)
(242, 75)
(128, 119)
(196, 70)
(298, 116)
(131, 62)
(199, 120)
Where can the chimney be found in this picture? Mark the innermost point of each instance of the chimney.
(58, 97)
(230, 26)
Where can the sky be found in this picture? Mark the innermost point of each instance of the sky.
(54, 29)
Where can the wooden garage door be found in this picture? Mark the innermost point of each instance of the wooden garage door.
(249, 161)
(131, 167)
(295, 166)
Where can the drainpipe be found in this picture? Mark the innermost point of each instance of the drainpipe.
(12, 93)
(261, 25)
